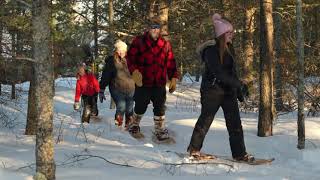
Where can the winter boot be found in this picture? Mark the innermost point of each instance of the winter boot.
(194, 153)
(247, 158)
(86, 114)
(134, 128)
(160, 131)
(197, 155)
(129, 120)
(118, 120)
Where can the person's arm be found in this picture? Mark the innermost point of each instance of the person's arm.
(107, 73)
(132, 55)
(171, 63)
(78, 92)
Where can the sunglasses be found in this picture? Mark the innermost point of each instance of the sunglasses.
(155, 26)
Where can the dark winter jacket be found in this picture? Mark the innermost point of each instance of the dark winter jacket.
(153, 59)
(116, 75)
(224, 74)
(86, 85)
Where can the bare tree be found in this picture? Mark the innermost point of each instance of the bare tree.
(300, 58)
(266, 115)
(44, 86)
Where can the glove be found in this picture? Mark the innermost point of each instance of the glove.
(240, 96)
(173, 85)
(137, 77)
(102, 96)
(76, 106)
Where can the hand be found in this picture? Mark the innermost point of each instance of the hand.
(102, 96)
(137, 77)
(173, 85)
(76, 106)
(240, 96)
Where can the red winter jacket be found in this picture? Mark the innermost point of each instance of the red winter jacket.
(86, 85)
(153, 59)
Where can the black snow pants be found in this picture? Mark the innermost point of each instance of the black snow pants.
(211, 100)
(143, 96)
(90, 107)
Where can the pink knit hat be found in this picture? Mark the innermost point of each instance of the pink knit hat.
(221, 26)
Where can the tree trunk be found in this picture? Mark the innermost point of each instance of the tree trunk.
(278, 66)
(181, 55)
(300, 57)
(14, 54)
(31, 127)
(164, 16)
(152, 8)
(95, 36)
(1, 31)
(111, 32)
(13, 91)
(111, 19)
(44, 87)
(248, 45)
(266, 77)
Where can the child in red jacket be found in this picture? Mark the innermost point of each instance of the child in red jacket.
(88, 88)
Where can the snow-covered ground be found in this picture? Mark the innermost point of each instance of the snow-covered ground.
(91, 151)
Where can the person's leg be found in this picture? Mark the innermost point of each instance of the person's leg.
(158, 98)
(129, 109)
(119, 99)
(86, 109)
(141, 99)
(94, 109)
(210, 102)
(233, 123)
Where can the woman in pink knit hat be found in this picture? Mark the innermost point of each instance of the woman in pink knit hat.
(220, 87)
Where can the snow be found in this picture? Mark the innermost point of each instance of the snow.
(81, 151)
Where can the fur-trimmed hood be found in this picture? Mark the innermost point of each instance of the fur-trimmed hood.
(203, 46)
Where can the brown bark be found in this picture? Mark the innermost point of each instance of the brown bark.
(164, 16)
(247, 71)
(31, 127)
(160, 8)
(278, 65)
(300, 58)
(44, 87)
(266, 77)
(111, 33)
(95, 36)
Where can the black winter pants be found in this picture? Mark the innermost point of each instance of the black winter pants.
(211, 100)
(143, 96)
(89, 107)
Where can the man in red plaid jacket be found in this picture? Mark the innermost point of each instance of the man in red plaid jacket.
(151, 61)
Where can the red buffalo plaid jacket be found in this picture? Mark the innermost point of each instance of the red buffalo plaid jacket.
(153, 59)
